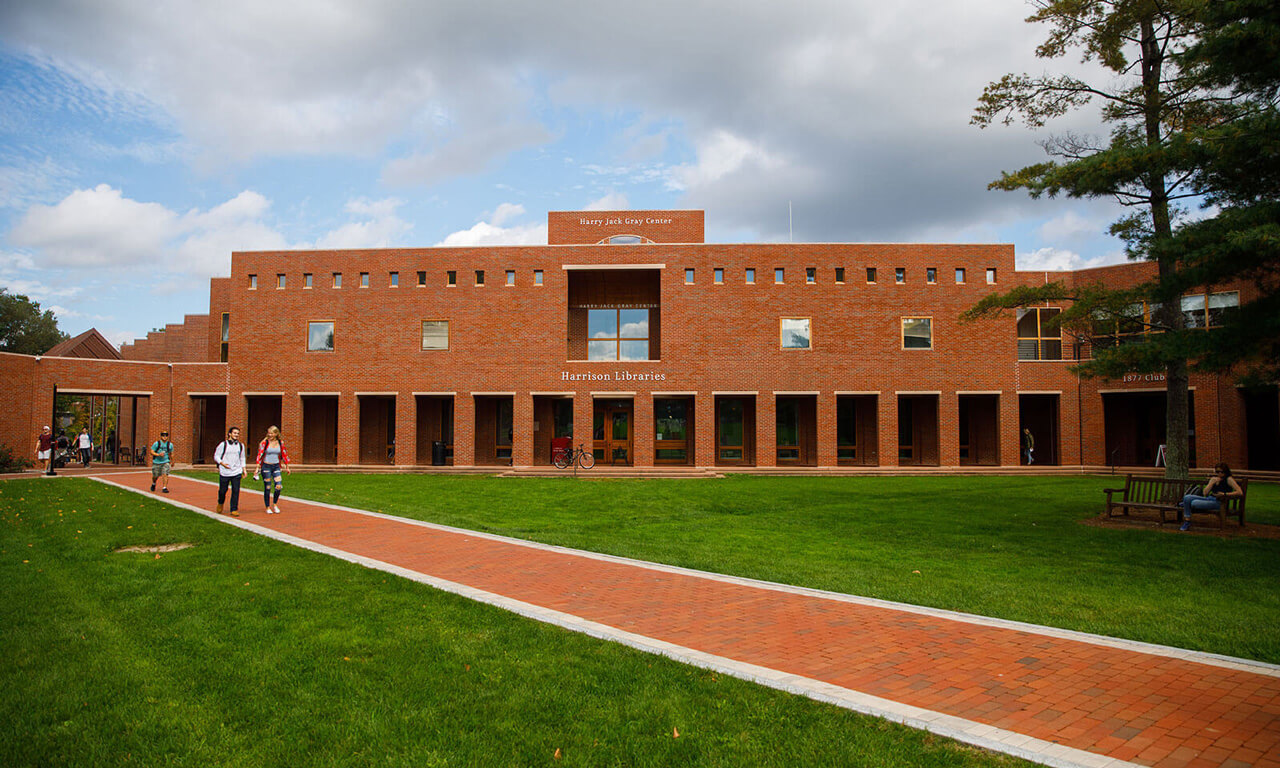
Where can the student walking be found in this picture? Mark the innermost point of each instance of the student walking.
(1028, 445)
(161, 452)
(231, 468)
(271, 457)
(44, 448)
(85, 445)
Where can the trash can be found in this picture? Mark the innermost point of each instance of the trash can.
(437, 453)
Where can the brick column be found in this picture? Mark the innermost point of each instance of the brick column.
(406, 429)
(766, 430)
(464, 430)
(704, 429)
(583, 410)
(1011, 433)
(887, 429)
(948, 429)
(290, 424)
(642, 430)
(522, 430)
(826, 425)
(348, 428)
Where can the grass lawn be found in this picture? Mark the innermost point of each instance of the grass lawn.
(997, 546)
(243, 651)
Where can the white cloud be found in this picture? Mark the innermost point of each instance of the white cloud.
(505, 212)
(492, 233)
(1060, 260)
(1070, 227)
(381, 228)
(95, 228)
(614, 201)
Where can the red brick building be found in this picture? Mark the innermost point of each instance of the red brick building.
(645, 344)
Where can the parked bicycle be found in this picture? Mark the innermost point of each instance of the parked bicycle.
(574, 456)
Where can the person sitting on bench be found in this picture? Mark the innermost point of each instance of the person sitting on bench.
(1221, 487)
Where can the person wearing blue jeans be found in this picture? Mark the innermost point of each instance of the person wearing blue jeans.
(1220, 488)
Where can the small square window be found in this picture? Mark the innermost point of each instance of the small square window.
(991, 274)
(719, 274)
(688, 276)
(364, 279)
(511, 277)
(479, 277)
(307, 280)
(422, 279)
(537, 277)
(931, 275)
(751, 275)
(794, 332)
(280, 282)
(839, 274)
(810, 274)
(337, 279)
(435, 334)
(900, 275)
(871, 274)
(959, 275)
(917, 333)
(779, 275)
(395, 279)
(253, 282)
(451, 278)
(320, 336)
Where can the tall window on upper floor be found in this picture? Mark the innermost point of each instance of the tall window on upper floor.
(794, 333)
(320, 336)
(435, 334)
(1039, 337)
(1208, 311)
(225, 338)
(618, 334)
(917, 333)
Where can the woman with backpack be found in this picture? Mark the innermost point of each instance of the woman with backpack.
(271, 457)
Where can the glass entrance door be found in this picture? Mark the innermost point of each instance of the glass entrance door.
(730, 431)
(611, 432)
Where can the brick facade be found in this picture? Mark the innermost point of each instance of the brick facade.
(515, 349)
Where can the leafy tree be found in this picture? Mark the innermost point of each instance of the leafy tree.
(24, 328)
(1152, 96)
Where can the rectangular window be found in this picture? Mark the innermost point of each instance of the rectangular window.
(306, 280)
(1222, 305)
(900, 275)
(810, 274)
(1039, 338)
(226, 337)
(719, 275)
(451, 278)
(279, 282)
(479, 277)
(839, 274)
(511, 277)
(688, 276)
(991, 275)
(422, 279)
(253, 282)
(395, 279)
(871, 274)
(435, 334)
(779, 275)
(320, 336)
(1193, 311)
(917, 333)
(794, 332)
(364, 279)
(337, 279)
(537, 277)
(617, 334)
(751, 275)
(787, 433)
(931, 275)
(959, 275)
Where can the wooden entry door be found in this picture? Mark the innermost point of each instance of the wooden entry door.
(613, 433)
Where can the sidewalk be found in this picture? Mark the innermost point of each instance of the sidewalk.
(1057, 697)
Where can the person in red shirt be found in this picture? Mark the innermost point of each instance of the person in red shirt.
(44, 447)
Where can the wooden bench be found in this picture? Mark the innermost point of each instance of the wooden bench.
(1164, 495)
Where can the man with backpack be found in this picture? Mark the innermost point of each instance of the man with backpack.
(161, 453)
(231, 468)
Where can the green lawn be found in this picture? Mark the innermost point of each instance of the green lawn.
(243, 651)
(997, 546)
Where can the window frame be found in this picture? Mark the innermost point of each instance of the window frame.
(364, 279)
(782, 334)
(779, 275)
(1039, 338)
(961, 276)
(618, 338)
(337, 280)
(717, 275)
(871, 275)
(511, 278)
(448, 339)
(253, 282)
(394, 280)
(899, 275)
(749, 276)
(332, 332)
(537, 278)
(308, 281)
(282, 281)
(903, 328)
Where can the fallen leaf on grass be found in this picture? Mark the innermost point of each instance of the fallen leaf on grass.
(916, 573)
(675, 734)
(556, 756)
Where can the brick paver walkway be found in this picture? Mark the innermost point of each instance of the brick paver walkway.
(1057, 697)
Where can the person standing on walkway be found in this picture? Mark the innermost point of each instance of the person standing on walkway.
(161, 452)
(85, 445)
(44, 448)
(1028, 445)
(271, 457)
(231, 468)
(1220, 488)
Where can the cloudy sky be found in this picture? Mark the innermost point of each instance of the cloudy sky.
(142, 142)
